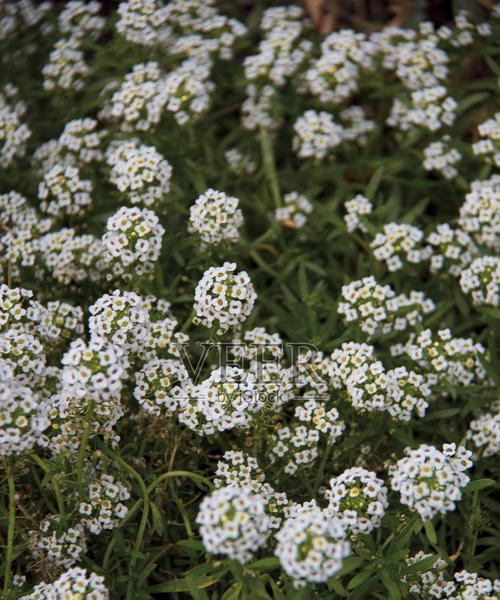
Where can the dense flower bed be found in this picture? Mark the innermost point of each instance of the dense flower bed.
(249, 304)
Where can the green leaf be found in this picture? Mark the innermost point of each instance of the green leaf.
(479, 484)
(158, 521)
(430, 532)
(270, 563)
(390, 585)
(421, 566)
(359, 579)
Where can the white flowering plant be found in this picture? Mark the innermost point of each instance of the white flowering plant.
(249, 300)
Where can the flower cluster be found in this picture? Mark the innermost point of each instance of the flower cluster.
(482, 280)
(216, 218)
(57, 546)
(80, 141)
(13, 132)
(225, 400)
(452, 249)
(484, 432)
(429, 480)
(63, 191)
(453, 360)
(102, 507)
(238, 469)
(144, 22)
(66, 70)
(356, 210)
(399, 244)
(233, 522)
(141, 173)
(311, 544)
(488, 147)
(60, 321)
(23, 415)
(316, 135)
(74, 583)
(377, 309)
(480, 213)
(240, 163)
(224, 297)
(160, 386)
(428, 108)
(298, 444)
(295, 210)
(132, 242)
(359, 498)
(440, 157)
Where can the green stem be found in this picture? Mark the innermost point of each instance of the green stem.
(84, 442)
(10, 529)
(269, 166)
(55, 484)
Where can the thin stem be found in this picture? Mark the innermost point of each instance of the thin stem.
(84, 443)
(269, 166)
(10, 529)
(55, 484)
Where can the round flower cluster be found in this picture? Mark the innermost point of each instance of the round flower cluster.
(356, 210)
(60, 321)
(66, 69)
(428, 108)
(17, 307)
(160, 386)
(74, 583)
(216, 218)
(224, 297)
(225, 400)
(144, 22)
(334, 76)
(132, 242)
(377, 309)
(140, 100)
(13, 132)
(294, 213)
(421, 63)
(81, 18)
(440, 157)
(297, 444)
(316, 134)
(102, 507)
(257, 109)
(311, 544)
(24, 354)
(233, 522)
(369, 387)
(237, 469)
(23, 415)
(56, 545)
(455, 360)
(81, 140)
(484, 432)
(120, 317)
(258, 345)
(480, 213)
(398, 244)
(71, 258)
(469, 586)
(141, 173)
(429, 481)
(281, 53)
(187, 90)
(63, 192)
(482, 280)
(240, 163)
(92, 376)
(358, 498)
(453, 249)
(356, 125)
(430, 583)
(489, 146)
